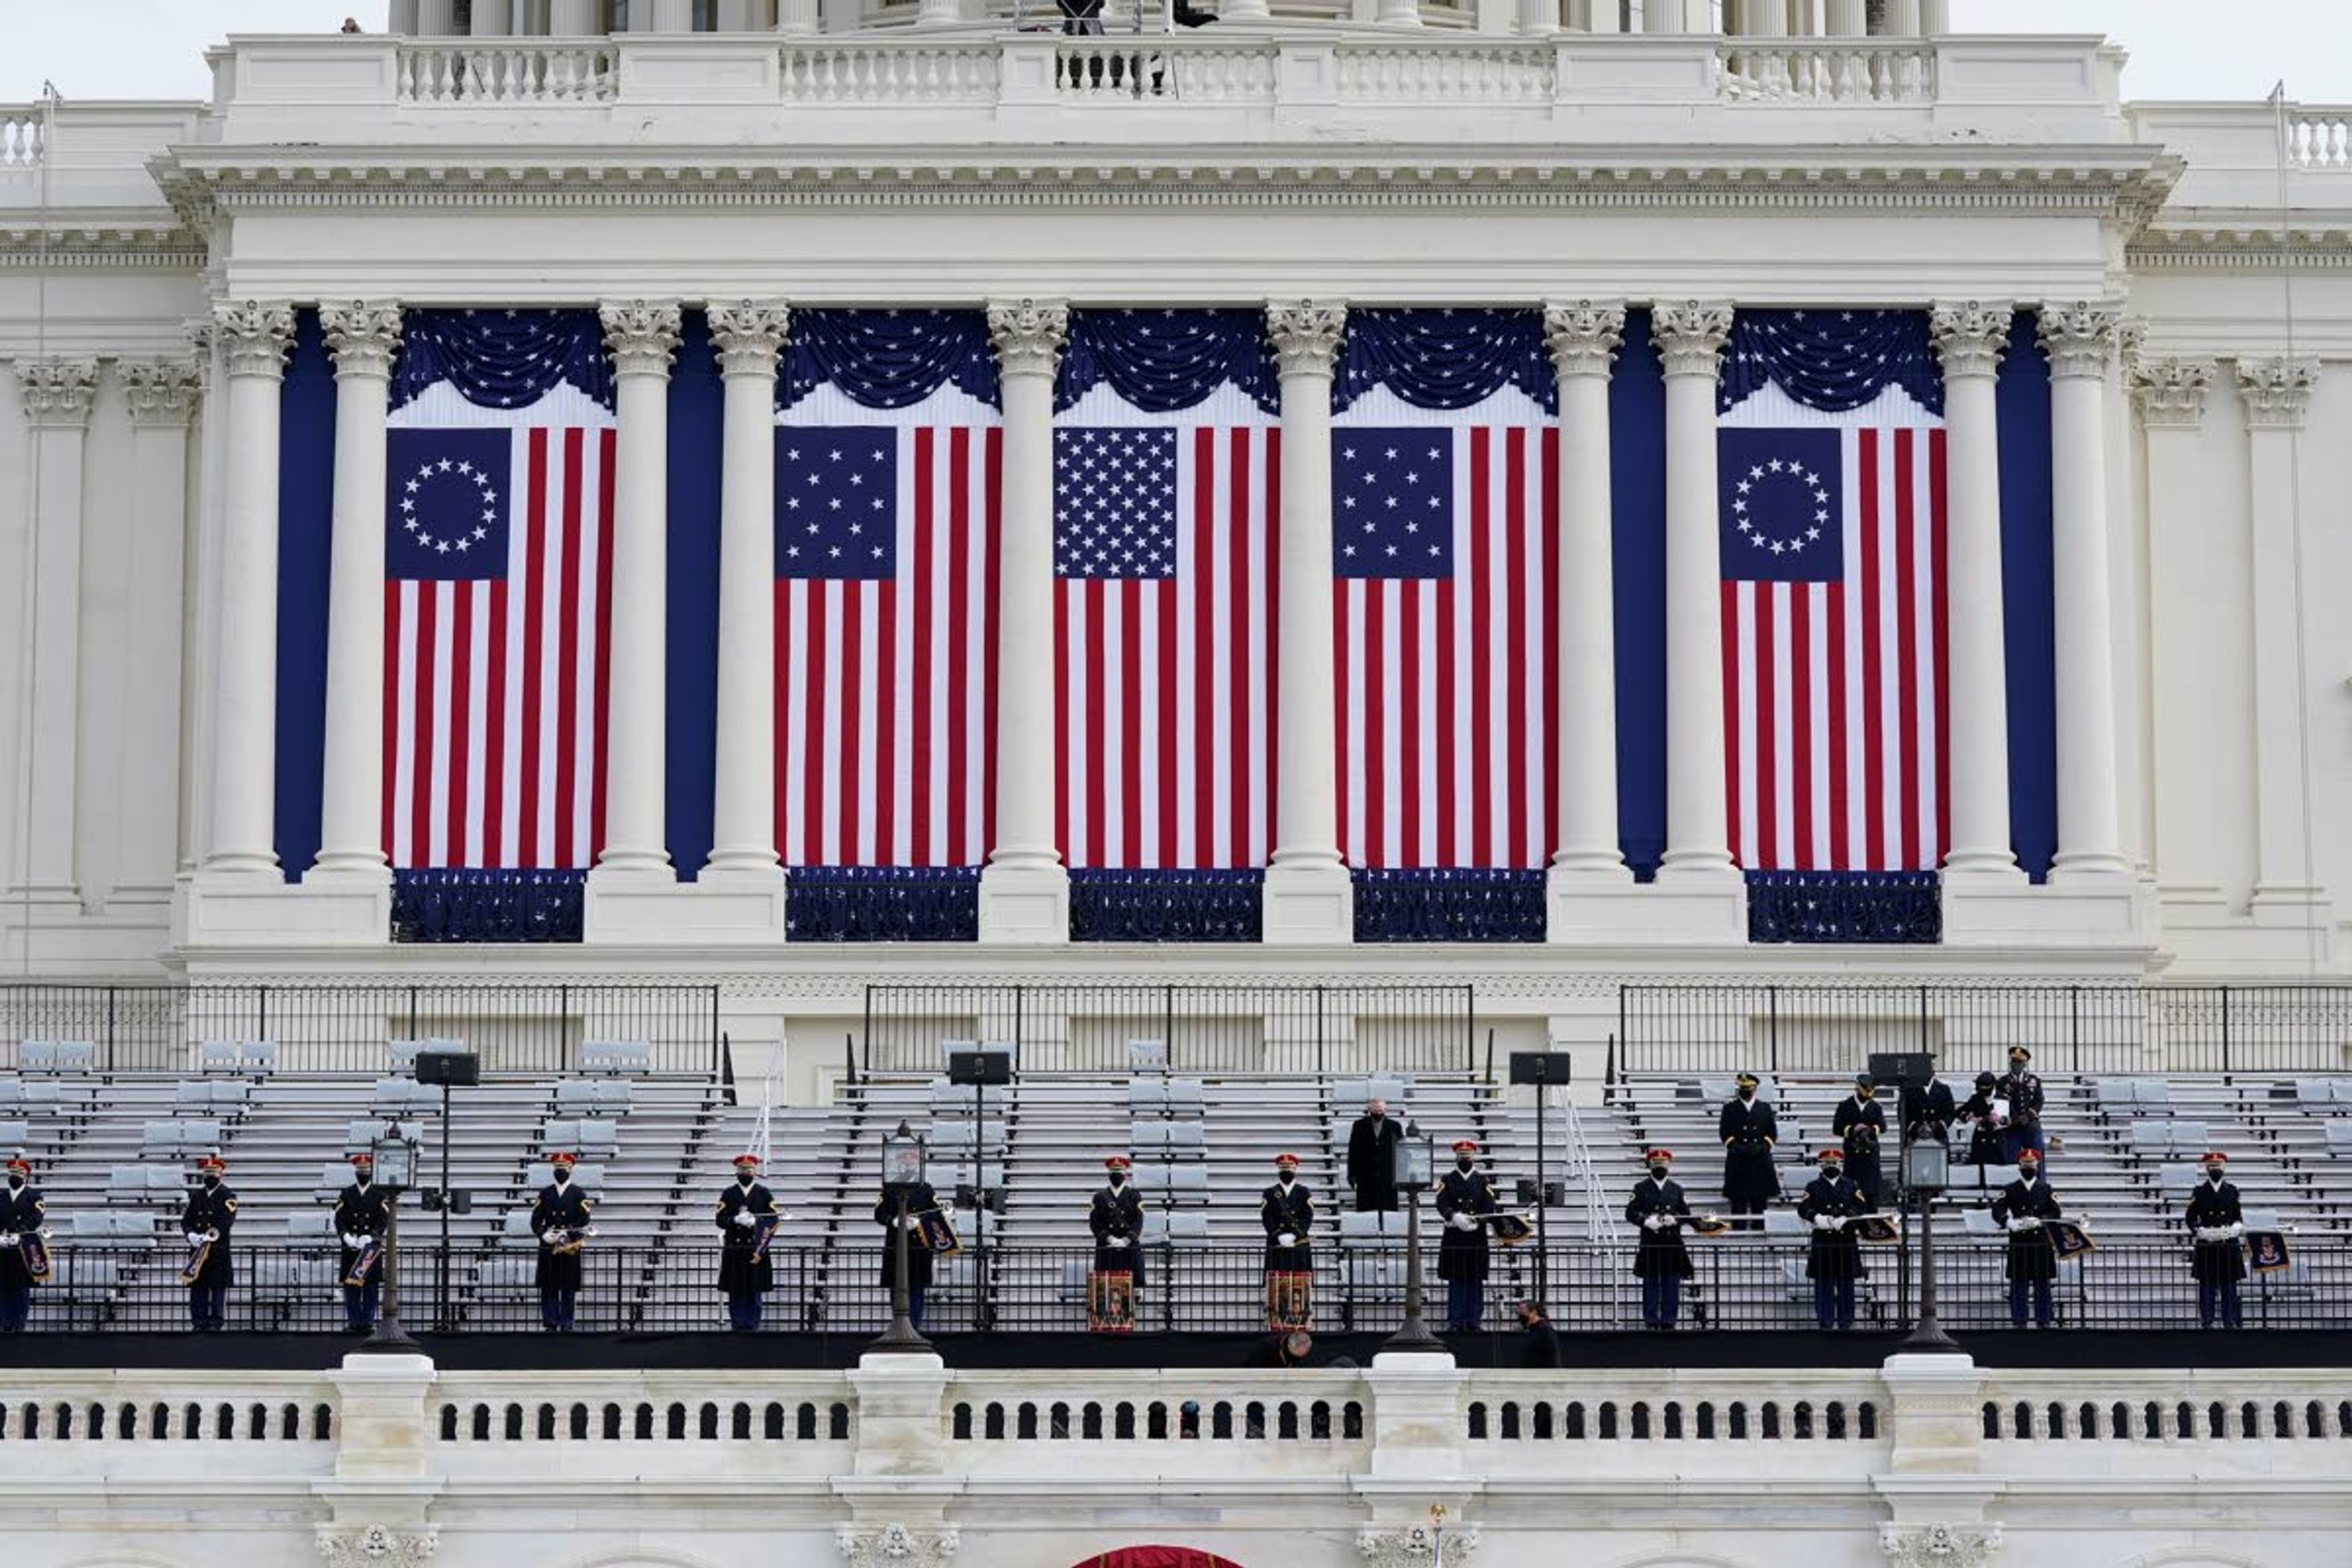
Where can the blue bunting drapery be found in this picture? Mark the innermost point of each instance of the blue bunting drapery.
(1451, 904)
(1181, 905)
(477, 904)
(501, 359)
(1830, 360)
(1443, 359)
(1161, 361)
(882, 903)
(887, 359)
(1878, 907)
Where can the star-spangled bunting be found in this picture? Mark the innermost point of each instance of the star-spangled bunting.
(836, 489)
(1780, 505)
(1115, 503)
(1391, 494)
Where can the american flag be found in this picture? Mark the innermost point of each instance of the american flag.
(1164, 548)
(885, 656)
(498, 588)
(1835, 699)
(1446, 567)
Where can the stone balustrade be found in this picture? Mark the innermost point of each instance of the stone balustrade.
(22, 135)
(2320, 138)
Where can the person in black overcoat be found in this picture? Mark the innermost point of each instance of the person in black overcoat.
(1659, 1210)
(745, 1278)
(1463, 1195)
(1861, 1121)
(1833, 1257)
(362, 1214)
(2022, 1209)
(1116, 1218)
(1371, 1159)
(211, 1211)
(1749, 1130)
(560, 1209)
(21, 1213)
(1984, 1134)
(916, 1196)
(2216, 1220)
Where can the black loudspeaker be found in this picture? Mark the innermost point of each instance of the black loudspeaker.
(1540, 1066)
(1902, 1069)
(990, 1067)
(459, 1070)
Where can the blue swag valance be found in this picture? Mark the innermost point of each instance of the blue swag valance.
(1161, 361)
(1831, 359)
(887, 359)
(501, 358)
(1444, 359)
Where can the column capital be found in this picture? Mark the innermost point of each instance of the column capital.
(162, 392)
(56, 394)
(1691, 336)
(362, 334)
(255, 334)
(1028, 334)
(1970, 337)
(641, 335)
(2080, 337)
(746, 335)
(2170, 391)
(2275, 391)
(1306, 336)
(2131, 341)
(1583, 337)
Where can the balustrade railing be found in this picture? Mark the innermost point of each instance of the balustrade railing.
(1829, 71)
(472, 76)
(23, 142)
(2319, 137)
(891, 72)
(1455, 73)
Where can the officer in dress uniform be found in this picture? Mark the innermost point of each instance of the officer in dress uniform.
(1286, 1211)
(1371, 1159)
(1462, 1195)
(1833, 1260)
(1749, 1130)
(2021, 1210)
(1861, 1121)
(2216, 1221)
(917, 1197)
(744, 1279)
(362, 1216)
(1984, 1132)
(210, 1213)
(2024, 1092)
(22, 1212)
(1116, 1218)
(1660, 1210)
(1928, 1111)
(562, 1207)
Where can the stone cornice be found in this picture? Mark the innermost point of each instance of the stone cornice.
(116, 238)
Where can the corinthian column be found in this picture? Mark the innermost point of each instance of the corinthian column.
(1024, 892)
(747, 337)
(1309, 895)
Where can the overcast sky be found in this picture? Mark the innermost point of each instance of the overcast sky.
(2180, 48)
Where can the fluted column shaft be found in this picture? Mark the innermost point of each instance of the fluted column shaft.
(747, 337)
(161, 394)
(1583, 339)
(1691, 339)
(56, 396)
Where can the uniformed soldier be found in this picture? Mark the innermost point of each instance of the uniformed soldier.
(1116, 1218)
(1287, 1210)
(2216, 1222)
(1834, 1261)
(1661, 1260)
(1861, 1121)
(1928, 1111)
(558, 1217)
(745, 1278)
(22, 1212)
(1749, 1132)
(899, 1204)
(1464, 1194)
(2021, 1210)
(210, 1214)
(362, 1216)
(1984, 1129)
(2024, 1092)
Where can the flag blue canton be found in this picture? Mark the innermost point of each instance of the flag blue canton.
(448, 504)
(1115, 502)
(1782, 506)
(836, 499)
(1393, 503)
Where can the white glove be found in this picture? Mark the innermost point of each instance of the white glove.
(947, 1211)
(1287, 1238)
(7, 1239)
(354, 1241)
(1116, 1241)
(1464, 1222)
(2210, 1233)
(196, 1238)
(1653, 1222)
(744, 1218)
(1824, 1223)
(2237, 1230)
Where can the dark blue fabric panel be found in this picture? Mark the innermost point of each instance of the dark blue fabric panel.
(1637, 475)
(2027, 603)
(1457, 904)
(306, 506)
(696, 462)
(889, 359)
(467, 904)
(1830, 358)
(1184, 905)
(1870, 907)
(503, 359)
(1444, 359)
(1166, 360)
(882, 903)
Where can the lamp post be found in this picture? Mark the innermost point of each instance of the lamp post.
(905, 1153)
(395, 1170)
(1927, 1170)
(1414, 1158)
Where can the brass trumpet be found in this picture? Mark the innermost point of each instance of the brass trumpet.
(573, 1239)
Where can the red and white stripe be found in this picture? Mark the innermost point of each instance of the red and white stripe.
(1449, 689)
(495, 691)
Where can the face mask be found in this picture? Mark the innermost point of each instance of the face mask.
(562, 1177)
(1863, 1093)
(1658, 1171)
(1746, 1092)
(1463, 1164)
(1285, 1178)
(2212, 1173)
(746, 1181)
(211, 1181)
(1117, 1178)
(362, 1179)
(16, 1181)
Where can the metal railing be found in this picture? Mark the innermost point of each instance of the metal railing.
(2090, 1028)
(1082, 1029)
(516, 1027)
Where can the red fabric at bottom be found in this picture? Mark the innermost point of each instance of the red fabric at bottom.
(1156, 1557)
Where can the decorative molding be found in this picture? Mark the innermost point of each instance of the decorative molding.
(2080, 338)
(162, 391)
(362, 335)
(56, 394)
(2275, 391)
(746, 335)
(896, 1546)
(255, 336)
(1583, 338)
(2170, 391)
(376, 1546)
(1940, 1545)
(641, 335)
(1691, 336)
(2131, 341)
(1306, 336)
(1028, 335)
(1971, 338)
(1413, 1545)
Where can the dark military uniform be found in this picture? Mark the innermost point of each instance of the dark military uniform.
(2024, 1092)
(211, 1209)
(1116, 1215)
(1862, 1123)
(360, 1211)
(917, 1197)
(1462, 1254)
(1930, 1110)
(1660, 1259)
(22, 1210)
(1984, 1138)
(2218, 1266)
(561, 1207)
(1833, 1258)
(2033, 1258)
(1748, 1129)
(743, 1280)
(1372, 1163)
(1288, 1210)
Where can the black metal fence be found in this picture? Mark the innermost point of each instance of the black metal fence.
(1740, 1284)
(517, 1028)
(1205, 1028)
(2093, 1028)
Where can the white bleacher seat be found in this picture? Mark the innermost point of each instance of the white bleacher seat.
(396, 1096)
(12, 1093)
(615, 1057)
(1178, 1229)
(2318, 1094)
(14, 1137)
(334, 1176)
(275, 1274)
(2151, 1138)
(1977, 1224)
(1366, 1229)
(218, 1056)
(508, 1274)
(2152, 1094)
(947, 1098)
(1781, 1224)
(105, 1227)
(134, 1183)
(56, 1056)
(1186, 1097)
(1183, 1184)
(1146, 1094)
(597, 1140)
(2190, 1139)
(1147, 1055)
(258, 1056)
(36, 1056)
(2176, 1179)
(590, 1179)
(363, 1131)
(2339, 1137)
(613, 1096)
(516, 1230)
(576, 1097)
(404, 1056)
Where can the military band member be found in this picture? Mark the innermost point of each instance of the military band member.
(1929, 1111)
(1749, 1132)
(2021, 1210)
(559, 1218)
(210, 1214)
(1661, 1260)
(1286, 1211)
(1861, 1121)
(1371, 1159)
(2024, 1092)
(2216, 1222)
(22, 1212)
(745, 1274)
(1984, 1128)
(361, 1216)
(1834, 1259)
(897, 1208)
(1116, 1218)
(1463, 1195)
